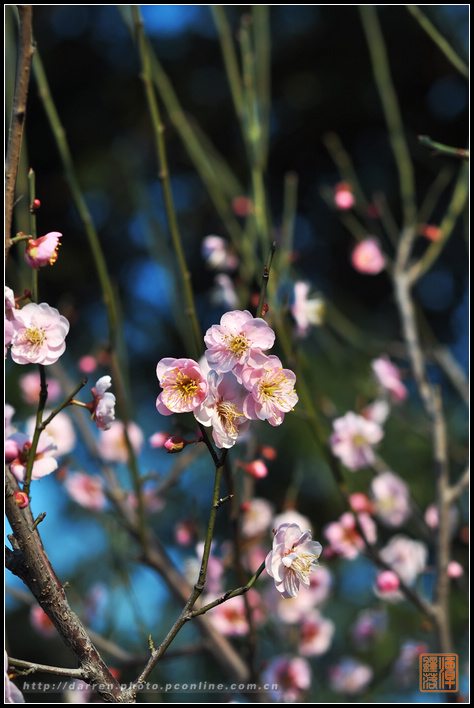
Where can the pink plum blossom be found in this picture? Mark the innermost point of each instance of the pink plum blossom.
(367, 256)
(234, 341)
(291, 675)
(230, 617)
(377, 411)
(30, 385)
(369, 625)
(45, 458)
(158, 439)
(406, 557)
(391, 498)
(87, 364)
(60, 429)
(344, 537)
(256, 468)
(387, 586)
(222, 408)
(183, 383)
(293, 558)
(112, 443)
(86, 490)
(306, 312)
(316, 633)
(103, 408)
(9, 316)
(388, 376)
(353, 438)
(350, 676)
(39, 334)
(272, 389)
(42, 251)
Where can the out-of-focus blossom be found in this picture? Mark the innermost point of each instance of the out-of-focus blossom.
(103, 405)
(45, 458)
(242, 206)
(87, 364)
(9, 317)
(293, 558)
(316, 633)
(377, 411)
(184, 386)
(391, 498)
(158, 439)
(234, 341)
(39, 334)
(11, 450)
(369, 625)
(360, 502)
(353, 438)
(291, 516)
(86, 490)
(388, 377)
(272, 389)
(344, 537)
(367, 256)
(30, 385)
(218, 254)
(306, 312)
(222, 408)
(268, 452)
(42, 251)
(387, 586)
(60, 429)
(185, 532)
(406, 666)
(343, 196)
(256, 468)
(9, 413)
(292, 676)
(406, 557)
(257, 517)
(350, 676)
(432, 518)
(223, 293)
(294, 609)
(230, 617)
(41, 622)
(430, 231)
(112, 443)
(12, 692)
(455, 569)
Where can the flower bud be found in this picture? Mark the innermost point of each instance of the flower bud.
(175, 444)
(388, 581)
(21, 499)
(11, 450)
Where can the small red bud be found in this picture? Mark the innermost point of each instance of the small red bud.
(264, 309)
(21, 499)
(35, 205)
(175, 444)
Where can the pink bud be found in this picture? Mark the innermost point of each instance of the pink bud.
(175, 444)
(360, 502)
(257, 469)
(343, 197)
(455, 569)
(21, 499)
(388, 581)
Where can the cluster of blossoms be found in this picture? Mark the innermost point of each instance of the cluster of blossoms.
(242, 384)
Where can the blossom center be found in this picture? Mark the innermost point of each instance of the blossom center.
(35, 337)
(228, 412)
(359, 440)
(185, 386)
(274, 388)
(237, 344)
(302, 564)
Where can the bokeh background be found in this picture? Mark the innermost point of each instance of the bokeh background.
(321, 84)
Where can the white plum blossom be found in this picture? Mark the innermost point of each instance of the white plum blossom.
(388, 377)
(306, 312)
(406, 557)
(391, 498)
(292, 560)
(39, 334)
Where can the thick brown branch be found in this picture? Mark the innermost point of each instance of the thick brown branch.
(29, 562)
